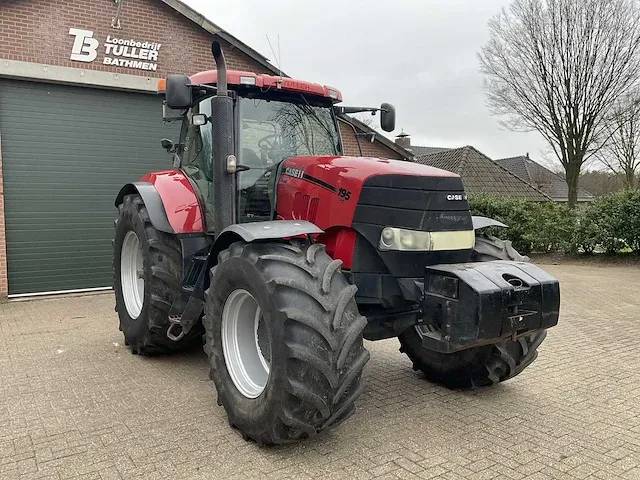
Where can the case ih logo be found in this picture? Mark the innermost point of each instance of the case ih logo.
(294, 172)
(456, 197)
(119, 52)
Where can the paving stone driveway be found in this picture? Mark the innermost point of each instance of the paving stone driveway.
(74, 403)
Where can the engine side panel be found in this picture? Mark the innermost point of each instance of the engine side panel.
(325, 190)
(179, 199)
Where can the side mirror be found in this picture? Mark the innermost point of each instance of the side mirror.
(168, 145)
(178, 91)
(387, 117)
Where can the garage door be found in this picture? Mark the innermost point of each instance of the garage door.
(66, 151)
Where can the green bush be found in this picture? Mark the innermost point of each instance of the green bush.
(611, 223)
(513, 213)
(541, 227)
(587, 234)
(554, 227)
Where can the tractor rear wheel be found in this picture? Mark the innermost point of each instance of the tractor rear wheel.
(478, 366)
(147, 266)
(284, 340)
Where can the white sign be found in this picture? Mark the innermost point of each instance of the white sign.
(85, 47)
(128, 53)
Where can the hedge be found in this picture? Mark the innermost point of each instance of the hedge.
(610, 223)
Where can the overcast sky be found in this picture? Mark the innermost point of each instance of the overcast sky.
(419, 55)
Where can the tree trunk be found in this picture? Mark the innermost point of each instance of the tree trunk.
(573, 176)
(629, 178)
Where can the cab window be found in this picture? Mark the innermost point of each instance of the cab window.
(195, 155)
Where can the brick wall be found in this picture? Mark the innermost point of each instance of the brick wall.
(38, 31)
(369, 149)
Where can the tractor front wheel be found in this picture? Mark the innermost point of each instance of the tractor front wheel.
(478, 366)
(147, 267)
(284, 340)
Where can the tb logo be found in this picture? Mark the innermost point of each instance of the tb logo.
(85, 47)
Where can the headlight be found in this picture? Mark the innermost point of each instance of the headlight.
(387, 238)
(393, 238)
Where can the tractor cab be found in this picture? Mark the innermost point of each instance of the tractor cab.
(274, 118)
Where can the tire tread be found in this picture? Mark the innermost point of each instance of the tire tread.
(163, 285)
(324, 364)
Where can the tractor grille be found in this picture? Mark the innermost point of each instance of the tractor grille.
(416, 203)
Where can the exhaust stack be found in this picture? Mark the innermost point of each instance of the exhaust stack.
(223, 198)
(221, 68)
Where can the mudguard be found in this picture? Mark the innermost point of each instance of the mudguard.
(171, 200)
(483, 222)
(250, 232)
(152, 202)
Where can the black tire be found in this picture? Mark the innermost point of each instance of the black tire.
(479, 366)
(162, 271)
(314, 331)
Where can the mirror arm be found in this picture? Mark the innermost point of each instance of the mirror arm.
(201, 86)
(345, 110)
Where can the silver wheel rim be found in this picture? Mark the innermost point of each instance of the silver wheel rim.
(132, 274)
(247, 366)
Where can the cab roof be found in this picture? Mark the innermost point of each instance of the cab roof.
(264, 81)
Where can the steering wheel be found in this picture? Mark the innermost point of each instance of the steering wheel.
(269, 142)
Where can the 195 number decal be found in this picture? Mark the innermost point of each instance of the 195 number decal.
(344, 194)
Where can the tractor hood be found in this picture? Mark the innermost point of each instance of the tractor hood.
(361, 168)
(345, 188)
(369, 194)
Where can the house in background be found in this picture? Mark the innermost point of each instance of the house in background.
(542, 178)
(404, 140)
(480, 174)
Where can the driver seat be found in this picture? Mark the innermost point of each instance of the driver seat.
(254, 188)
(251, 158)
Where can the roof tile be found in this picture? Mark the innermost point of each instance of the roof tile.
(481, 175)
(550, 183)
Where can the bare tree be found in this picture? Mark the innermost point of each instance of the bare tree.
(540, 178)
(600, 182)
(621, 152)
(557, 67)
(368, 119)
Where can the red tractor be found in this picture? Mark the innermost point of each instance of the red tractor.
(285, 255)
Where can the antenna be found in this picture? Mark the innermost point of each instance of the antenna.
(276, 57)
(279, 56)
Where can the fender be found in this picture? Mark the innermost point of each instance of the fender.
(253, 231)
(172, 193)
(152, 202)
(483, 222)
(207, 257)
